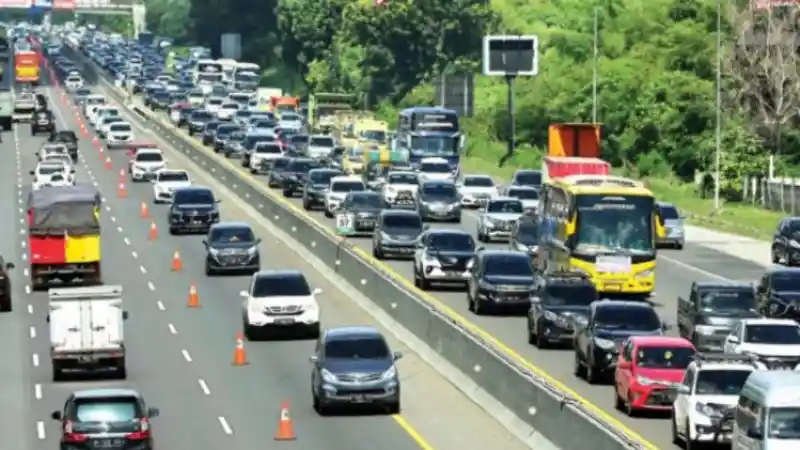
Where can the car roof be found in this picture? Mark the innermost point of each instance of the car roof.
(504, 199)
(654, 341)
(399, 212)
(767, 321)
(230, 225)
(452, 231)
(628, 304)
(722, 284)
(494, 252)
(478, 176)
(787, 270)
(194, 189)
(351, 331)
(105, 392)
(437, 182)
(517, 187)
(278, 273)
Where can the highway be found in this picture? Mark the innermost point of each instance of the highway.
(181, 358)
(676, 271)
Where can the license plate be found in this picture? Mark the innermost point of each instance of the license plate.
(197, 222)
(284, 321)
(453, 273)
(107, 443)
(613, 286)
(358, 398)
(86, 359)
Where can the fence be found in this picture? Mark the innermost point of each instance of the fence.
(777, 194)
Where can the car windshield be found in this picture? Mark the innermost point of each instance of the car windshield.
(528, 233)
(772, 334)
(373, 135)
(288, 117)
(357, 348)
(215, 101)
(528, 178)
(664, 357)
(243, 114)
(173, 176)
(402, 221)
(402, 178)
(367, 201)
(794, 226)
(232, 235)
(504, 207)
(727, 301)
(230, 106)
(263, 124)
(51, 169)
(627, 318)
(124, 127)
(784, 423)
(194, 196)
(226, 130)
(720, 382)
(268, 148)
(201, 115)
(281, 286)
(149, 157)
(347, 186)
(106, 410)
(212, 126)
(280, 163)
(451, 242)
(478, 182)
(668, 212)
(302, 166)
(511, 265)
(320, 141)
(524, 194)
(439, 190)
(323, 176)
(570, 295)
(429, 167)
(786, 282)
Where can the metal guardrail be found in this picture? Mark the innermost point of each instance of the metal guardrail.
(561, 421)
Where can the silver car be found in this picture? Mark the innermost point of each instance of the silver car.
(529, 196)
(498, 218)
(675, 235)
(438, 200)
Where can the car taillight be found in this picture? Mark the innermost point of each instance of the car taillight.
(142, 434)
(70, 436)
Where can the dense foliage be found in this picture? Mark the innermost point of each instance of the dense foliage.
(656, 67)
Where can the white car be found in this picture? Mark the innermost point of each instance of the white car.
(445, 257)
(400, 189)
(49, 150)
(104, 124)
(119, 134)
(338, 188)
(73, 82)
(44, 173)
(165, 183)
(262, 152)
(766, 338)
(498, 218)
(213, 104)
(710, 387)
(528, 195)
(476, 190)
(145, 164)
(289, 121)
(435, 169)
(280, 300)
(92, 100)
(102, 112)
(227, 110)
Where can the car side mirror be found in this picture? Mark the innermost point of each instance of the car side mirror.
(56, 415)
(397, 355)
(732, 339)
(205, 242)
(313, 358)
(666, 326)
(317, 291)
(10, 265)
(258, 241)
(680, 389)
(153, 412)
(47, 319)
(219, 201)
(754, 433)
(32, 172)
(125, 315)
(244, 294)
(426, 227)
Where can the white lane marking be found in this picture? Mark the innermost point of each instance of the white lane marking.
(142, 269)
(225, 427)
(160, 305)
(119, 229)
(186, 355)
(28, 290)
(25, 272)
(204, 386)
(693, 268)
(134, 254)
(33, 332)
(24, 244)
(35, 359)
(30, 309)
(127, 241)
(37, 391)
(40, 430)
(113, 219)
(151, 286)
(172, 328)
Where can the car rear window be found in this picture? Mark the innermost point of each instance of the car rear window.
(117, 409)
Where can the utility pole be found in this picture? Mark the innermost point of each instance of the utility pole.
(718, 132)
(595, 69)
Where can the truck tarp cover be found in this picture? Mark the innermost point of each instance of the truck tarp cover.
(64, 210)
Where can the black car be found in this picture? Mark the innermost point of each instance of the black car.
(354, 367)
(197, 121)
(561, 299)
(500, 279)
(43, 121)
(222, 133)
(396, 234)
(277, 169)
(41, 102)
(109, 418)
(209, 130)
(316, 187)
(232, 247)
(526, 177)
(159, 100)
(446, 258)
(69, 139)
(5, 285)
(525, 236)
(786, 242)
(364, 207)
(193, 209)
(608, 324)
(234, 145)
(296, 175)
(778, 293)
(184, 113)
(712, 310)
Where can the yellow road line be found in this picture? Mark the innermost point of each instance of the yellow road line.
(418, 439)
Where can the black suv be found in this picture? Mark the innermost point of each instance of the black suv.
(232, 247)
(600, 335)
(786, 242)
(712, 310)
(318, 182)
(106, 418)
(296, 175)
(500, 279)
(69, 139)
(525, 236)
(364, 207)
(396, 234)
(778, 293)
(198, 120)
(43, 121)
(209, 131)
(222, 134)
(561, 300)
(193, 209)
(5, 285)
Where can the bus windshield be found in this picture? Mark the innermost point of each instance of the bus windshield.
(209, 78)
(610, 223)
(434, 145)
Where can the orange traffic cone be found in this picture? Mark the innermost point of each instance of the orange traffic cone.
(95, 141)
(194, 299)
(143, 211)
(122, 192)
(122, 174)
(153, 235)
(177, 263)
(285, 426)
(108, 163)
(239, 356)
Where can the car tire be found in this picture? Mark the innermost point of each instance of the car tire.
(286, 193)
(328, 213)
(122, 371)
(253, 171)
(250, 333)
(58, 374)
(393, 408)
(173, 231)
(6, 304)
(209, 271)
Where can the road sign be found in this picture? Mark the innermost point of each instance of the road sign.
(345, 223)
(231, 45)
(510, 55)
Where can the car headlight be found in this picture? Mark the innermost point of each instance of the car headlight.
(605, 344)
(706, 410)
(705, 330)
(645, 381)
(644, 274)
(551, 316)
(485, 284)
(488, 221)
(213, 252)
(794, 244)
(390, 373)
(432, 262)
(327, 376)
(252, 250)
(311, 307)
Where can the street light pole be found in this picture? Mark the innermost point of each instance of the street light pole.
(594, 70)
(718, 144)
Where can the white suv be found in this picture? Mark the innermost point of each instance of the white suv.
(280, 301)
(165, 183)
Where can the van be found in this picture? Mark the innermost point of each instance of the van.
(767, 416)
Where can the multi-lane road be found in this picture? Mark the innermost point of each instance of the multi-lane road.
(181, 358)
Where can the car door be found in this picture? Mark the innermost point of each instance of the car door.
(419, 251)
(734, 339)
(780, 239)
(624, 373)
(681, 405)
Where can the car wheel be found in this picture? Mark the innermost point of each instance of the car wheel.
(774, 254)
(5, 305)
(393, 408)
(619, 404)
(591, 374)
(173, 231)
(578, 369)
(209, 271)
(249, 332)
(253, 171)
(676, 440)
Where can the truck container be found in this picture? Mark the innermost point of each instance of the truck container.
(559, 167)
(26, 67)
(574, 139)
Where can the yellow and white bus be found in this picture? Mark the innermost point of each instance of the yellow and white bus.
(603, 226)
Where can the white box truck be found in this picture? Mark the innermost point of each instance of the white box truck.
(86, 330)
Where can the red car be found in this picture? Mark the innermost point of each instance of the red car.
(646, 367)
